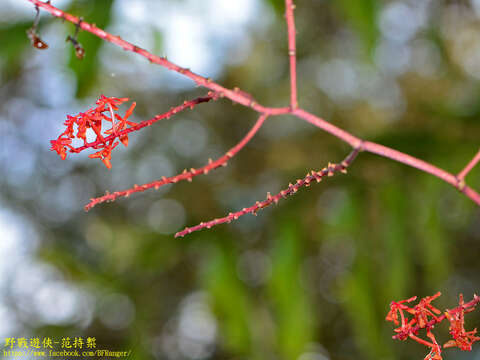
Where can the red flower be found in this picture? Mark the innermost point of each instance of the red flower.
(103, 101)
(461, 338)
(436, 351)
(396, 308)
(424, 309)
(60, 145)
(424, 316)
(105, 155)
(93, 119)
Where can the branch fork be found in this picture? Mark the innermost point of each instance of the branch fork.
(243, 98)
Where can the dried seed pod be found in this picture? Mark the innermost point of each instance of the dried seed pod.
(35, 40)
(79, 51)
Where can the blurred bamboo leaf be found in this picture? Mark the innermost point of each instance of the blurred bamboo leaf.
(396, 242)
(433, 244)
(358, 289)
(158, 41)
(291, 306)
(86, 70)
(362, 15)
(14, 42)
(367, 322)
(277, 5)
(229, 298)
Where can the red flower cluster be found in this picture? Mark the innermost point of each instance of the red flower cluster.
(93, 118)
(424, 316)
(461, 338)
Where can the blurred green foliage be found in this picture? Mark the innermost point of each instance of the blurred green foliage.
(86, 71)
(14, 45)
(289, 301)
(362, 15)
(335, 254)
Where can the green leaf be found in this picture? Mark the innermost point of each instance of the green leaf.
(229, 297)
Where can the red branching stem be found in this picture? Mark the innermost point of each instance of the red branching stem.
(317, 176)
(476, 159)
(292, 52)
(389, 153)
(422, 165)
(409, 160)
(246, 99)
(187, 174)
(414, 329)
(239, 97)
(175, 110)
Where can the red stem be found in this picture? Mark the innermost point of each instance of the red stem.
(186, 175)
(292, 189)
(421, 341)
(292, 52)
(461, 175)
(389, 153)
(341, 134)
(246, 99)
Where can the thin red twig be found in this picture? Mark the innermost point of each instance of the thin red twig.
(292, 52)
(317, 176)
(246, 99)
(175, 110)
(390, 153)
(421, 341)
(476, 159)
(187, 174)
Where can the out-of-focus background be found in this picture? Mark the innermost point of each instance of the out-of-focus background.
(308, 279)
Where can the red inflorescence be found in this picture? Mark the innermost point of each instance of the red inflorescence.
(461, 338)
(425, 316)
(94, 117)
(77, 127)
